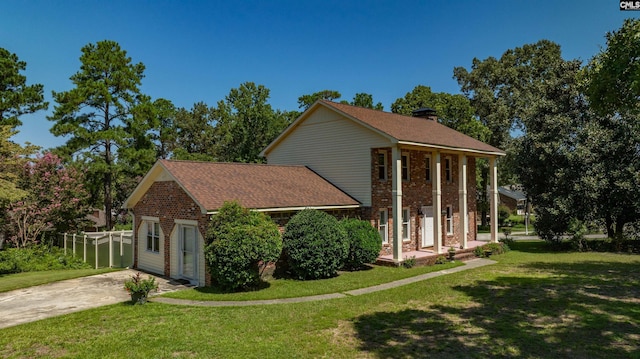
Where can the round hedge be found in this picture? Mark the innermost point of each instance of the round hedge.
(364, 243)
(239, 241)
(315, 245)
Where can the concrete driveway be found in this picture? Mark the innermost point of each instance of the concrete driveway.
(49, 300)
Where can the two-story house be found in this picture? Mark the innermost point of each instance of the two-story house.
(375, 165)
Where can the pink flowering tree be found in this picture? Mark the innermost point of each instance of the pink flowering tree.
(56, 201)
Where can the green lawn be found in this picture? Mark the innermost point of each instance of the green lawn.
(532, 304)
(28, 279)
(288, 288)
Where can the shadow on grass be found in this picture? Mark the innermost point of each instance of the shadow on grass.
(534, 246)
(581, 310)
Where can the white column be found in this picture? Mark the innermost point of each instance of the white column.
(462, 194)
(437, 202)
(493, 198)
(396, 185)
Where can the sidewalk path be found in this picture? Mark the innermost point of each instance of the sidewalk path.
(68, 296)
(474, 263)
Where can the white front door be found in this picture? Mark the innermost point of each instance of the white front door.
(427, 226)
(188, 245)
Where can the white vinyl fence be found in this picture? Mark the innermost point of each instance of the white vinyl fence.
(103, 249)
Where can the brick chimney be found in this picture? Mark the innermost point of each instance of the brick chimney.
(426, 113)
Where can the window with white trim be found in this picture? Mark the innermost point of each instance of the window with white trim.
(406, 224)
(383, 223)
(449, 220)
(447, 169)
(382, 166)
(405, 166)
(153, 236)
(427, 165)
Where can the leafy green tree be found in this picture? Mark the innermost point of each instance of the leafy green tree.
(165, 135)
(549, 106)
(305, 101)
(505, 91)
(16, 97)
(611, 139)
(614, 74)
(98, 111)
(364, 100)
(193, 133)
(246, 123)
(12, 158)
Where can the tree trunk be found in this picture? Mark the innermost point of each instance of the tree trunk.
(108, 172)
(609, 224)
(107, 199)
(619, 228)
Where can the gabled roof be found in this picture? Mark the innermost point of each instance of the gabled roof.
(256, 186)
(400, 129)
(515, 194)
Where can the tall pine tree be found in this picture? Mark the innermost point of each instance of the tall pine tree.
(98, 112)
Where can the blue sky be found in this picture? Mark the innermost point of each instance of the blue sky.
(198, 50)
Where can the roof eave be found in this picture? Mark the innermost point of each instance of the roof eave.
(451, 148)
(298, 208)
(135, 195)
(148, 180)
(308, 112)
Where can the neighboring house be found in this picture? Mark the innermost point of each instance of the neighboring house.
(172, 204)
(97, 220)
(513, 198)
(345, 159)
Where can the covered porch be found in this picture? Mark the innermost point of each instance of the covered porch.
(429, 255)
(441, 210)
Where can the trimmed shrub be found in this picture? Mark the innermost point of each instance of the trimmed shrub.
(364, 243)
(38, 258)
(441, 260)
(315, 245)
(240, 243)
(409, 262)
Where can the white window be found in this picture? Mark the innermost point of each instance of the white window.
(153, 236)
(406, 224)
(427, 164)
(405, 166)
(449, 220)
(383, 220)
(447, 169)
(382, 166)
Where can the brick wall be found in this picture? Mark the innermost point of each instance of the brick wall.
(417, 192)
(512, 203)
(167, 201)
